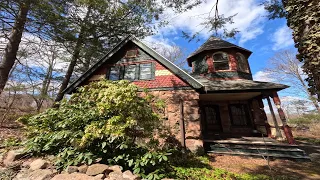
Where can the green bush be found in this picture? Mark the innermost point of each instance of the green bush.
(102, 121)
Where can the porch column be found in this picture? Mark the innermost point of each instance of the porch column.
(275, 122)
(264, 117)
(286, 128)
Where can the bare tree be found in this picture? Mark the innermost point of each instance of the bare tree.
(287, 68)
(173, 53)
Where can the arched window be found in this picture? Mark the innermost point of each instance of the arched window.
(221, 61)
(242, 63)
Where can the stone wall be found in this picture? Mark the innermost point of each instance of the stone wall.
(190, 99)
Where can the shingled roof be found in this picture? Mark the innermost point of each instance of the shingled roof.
(237, 85)
(216, 43)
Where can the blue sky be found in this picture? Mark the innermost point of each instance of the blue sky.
(262, 36)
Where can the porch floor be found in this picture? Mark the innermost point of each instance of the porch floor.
(247, 140)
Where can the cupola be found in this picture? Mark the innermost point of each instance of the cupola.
(217, 59)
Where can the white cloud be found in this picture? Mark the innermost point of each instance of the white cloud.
(249, 19)
(263, 76)
(282, 38)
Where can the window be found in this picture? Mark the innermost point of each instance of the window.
(145, 71)
(211, 115)
(132, 53)
(242, 63)
(130, 72)
(114, 73)
(239, 114)
(221, 61)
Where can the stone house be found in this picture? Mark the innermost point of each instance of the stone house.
(218, 99)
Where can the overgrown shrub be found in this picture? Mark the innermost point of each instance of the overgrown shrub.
(102, 121)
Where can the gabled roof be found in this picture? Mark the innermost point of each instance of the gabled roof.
(216, 43)
(238, 85)
(175, 69)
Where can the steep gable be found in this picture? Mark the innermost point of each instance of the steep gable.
(131, 52)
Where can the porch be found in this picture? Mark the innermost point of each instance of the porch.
(234, 109)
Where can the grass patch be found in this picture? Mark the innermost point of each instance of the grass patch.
(310, 140)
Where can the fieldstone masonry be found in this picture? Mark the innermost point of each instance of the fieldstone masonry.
(191, 111)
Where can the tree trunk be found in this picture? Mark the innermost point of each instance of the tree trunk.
(71, 66)
(11, 49)
(74, 59)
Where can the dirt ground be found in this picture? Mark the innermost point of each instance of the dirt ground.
(285, 168)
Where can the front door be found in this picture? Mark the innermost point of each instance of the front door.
(212, 121)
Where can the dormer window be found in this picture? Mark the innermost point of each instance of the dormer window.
(242, 63)
(131, 53)
(220, 61)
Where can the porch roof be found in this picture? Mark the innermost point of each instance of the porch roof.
(238, 85)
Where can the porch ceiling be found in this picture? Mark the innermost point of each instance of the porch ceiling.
(228, 96)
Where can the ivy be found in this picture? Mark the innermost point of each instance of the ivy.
(303, 17)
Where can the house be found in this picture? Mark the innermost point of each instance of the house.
(218, 99)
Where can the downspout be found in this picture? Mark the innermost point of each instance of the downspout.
(182, 128)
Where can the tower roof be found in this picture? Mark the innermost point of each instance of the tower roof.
(216, 43)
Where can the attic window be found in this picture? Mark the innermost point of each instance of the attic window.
(221, 61)
(242, 63)
(132, 53)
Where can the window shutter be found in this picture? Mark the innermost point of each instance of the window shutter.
(137, 72)
(153, 70)
(122, 68)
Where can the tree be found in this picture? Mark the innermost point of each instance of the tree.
(99, 25)
(303, 18)
(24, 16)
(285, 67)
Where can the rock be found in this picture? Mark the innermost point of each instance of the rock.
(38, 164)
(116, 175)
(83, 168)
(99, 177)
(96, 169)
(26, 164)
(72, 169)
(13, 155)
(22, 175)
(115, 168)
(128, 175)
(42, 174)
(73, 176)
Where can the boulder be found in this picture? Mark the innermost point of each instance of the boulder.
(38, 164)
(13, 155)
(115, 175)
(23, 174)
(99, 177)
(73, 176)
(72, 169)
(83, 168)
(42, 174)
(128, 175)
(115, 168)
(96, 169)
